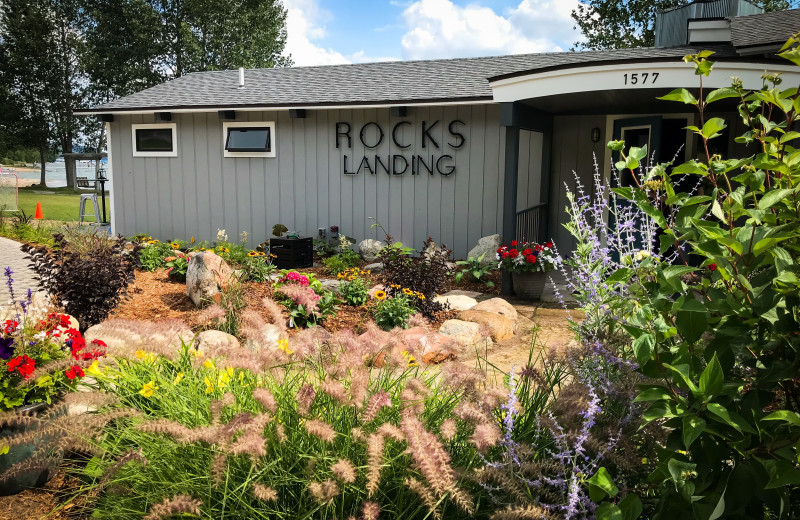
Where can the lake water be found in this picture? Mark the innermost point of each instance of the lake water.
(57, 173)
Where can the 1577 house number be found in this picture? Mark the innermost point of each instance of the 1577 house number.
(640, 78)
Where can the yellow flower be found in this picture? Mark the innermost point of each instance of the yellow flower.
(191, 241)
(208, 363)
(408, 292)
(196, 353)
(229, 370)
(380, 295)
(148, 389)
(351, 278)
(209, 385)
(420, 296)
(145, 356)
(340, 276)
(94, 369)
(175, 245)
(222, 379)
(178, 378)
(252, 253)
(273, 256)
(283, 344)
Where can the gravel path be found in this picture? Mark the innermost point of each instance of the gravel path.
(12, 256)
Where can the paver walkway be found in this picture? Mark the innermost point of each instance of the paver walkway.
(12, 256)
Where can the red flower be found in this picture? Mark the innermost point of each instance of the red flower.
(23, 364)
(10, 326)
(712, 267)
(74, 371)
(514, 243)
(530, 259)
(527, 251)
(514, 253)
(548, 245)
(538, 248)
(506, 254)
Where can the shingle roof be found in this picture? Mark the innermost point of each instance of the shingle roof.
(764, 29)
(463, 79)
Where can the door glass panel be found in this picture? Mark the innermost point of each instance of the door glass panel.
(638, 137)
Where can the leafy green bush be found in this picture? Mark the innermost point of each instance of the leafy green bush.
(177, 264)
(341, 262)
(475, 268)
(152, 255)
(258, 268)
(716, 336)
(392, 311)
(426, 275)
(355, 292)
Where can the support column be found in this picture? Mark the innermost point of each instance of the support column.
(510, 181)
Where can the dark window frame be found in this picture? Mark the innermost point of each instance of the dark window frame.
(266, 149)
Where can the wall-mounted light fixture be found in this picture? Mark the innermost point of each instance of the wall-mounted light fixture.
(595, 135)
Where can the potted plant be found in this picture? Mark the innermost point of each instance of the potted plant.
(528, 263)
(40, 359)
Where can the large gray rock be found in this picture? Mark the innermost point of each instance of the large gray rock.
(377, 267)
(329, 284)
(487, 246)
(369, 249)
(206, 276)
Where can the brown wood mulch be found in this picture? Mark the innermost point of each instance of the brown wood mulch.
(41, 503)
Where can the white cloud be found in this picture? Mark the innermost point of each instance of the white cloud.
(305, 22)
(441, 29)
(305, 25)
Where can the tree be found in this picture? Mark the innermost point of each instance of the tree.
(614, 24)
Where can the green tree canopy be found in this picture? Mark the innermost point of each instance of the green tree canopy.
(616, 24)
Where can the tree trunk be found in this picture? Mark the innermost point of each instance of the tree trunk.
(42, 161)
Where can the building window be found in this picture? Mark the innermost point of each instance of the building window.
(251, 139)
(155, 140)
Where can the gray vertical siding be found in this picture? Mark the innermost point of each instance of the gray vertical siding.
(304, 188)
(530, 169)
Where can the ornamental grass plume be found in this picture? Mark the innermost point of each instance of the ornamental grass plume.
(300, 295)
(264, 493)
(334, 389)
(485, 436)
(391, 431)
(177, 505)
(448, 429)
(432, 460)
(305, 396)
(529, 512)
(425, 495)
(280, 432)
(324, 492)
(359, 386)
(470, 412)
(274, 313)
(375, 444)
(219, 464)
(344, 471)
(377, 402)
(265, 399)
(370, 511)
(213, 314)
(321, 430)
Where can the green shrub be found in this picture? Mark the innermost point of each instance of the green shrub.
(475, 268)
(177, 264)
(355, 292)
(152, 255)
(258, 268)
(392, 311)
(341, 262)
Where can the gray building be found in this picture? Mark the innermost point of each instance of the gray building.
(451, 149)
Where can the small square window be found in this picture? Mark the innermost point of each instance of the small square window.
(248, 139)
(252, 139)
(156, 140)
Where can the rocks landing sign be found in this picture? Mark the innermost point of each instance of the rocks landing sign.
(429, 158)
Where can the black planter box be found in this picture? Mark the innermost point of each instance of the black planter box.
(292, 253)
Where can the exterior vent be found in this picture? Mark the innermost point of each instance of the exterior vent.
(673, 25)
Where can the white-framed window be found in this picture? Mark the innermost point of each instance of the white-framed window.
(248, 139)
(155, 140)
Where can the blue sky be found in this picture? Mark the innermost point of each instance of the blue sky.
(323, 32)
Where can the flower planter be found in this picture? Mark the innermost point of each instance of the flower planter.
(29, 478)
(529, 285)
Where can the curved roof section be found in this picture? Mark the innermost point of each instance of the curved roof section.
(396, 83)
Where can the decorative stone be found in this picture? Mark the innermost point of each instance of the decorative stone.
(216, 339)
(498, 306)
(500, 327)
(377, 267)
(465, 333)
(329, 284)
(429, 347)
(457, 302)
(369, 249)
(268, 338)
(206, 276)
(488, 245)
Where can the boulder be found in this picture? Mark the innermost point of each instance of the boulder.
(488, 245)
(465, 333)
(429, 347)
(329, 284)
(215, 339)
(498, 306)
(268, 337)
(457, 302)
(499, 326)
(206, 276)
(369, 249)
(377, 267)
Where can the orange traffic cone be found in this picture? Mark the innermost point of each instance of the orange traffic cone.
(38, 215)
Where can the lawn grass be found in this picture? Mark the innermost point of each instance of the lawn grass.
(58, 204)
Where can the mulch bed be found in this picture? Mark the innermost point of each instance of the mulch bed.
(36, 504)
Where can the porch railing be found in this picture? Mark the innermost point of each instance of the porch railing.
(532, 224)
